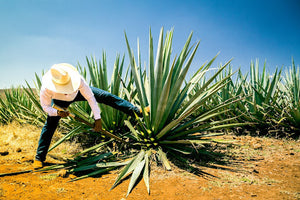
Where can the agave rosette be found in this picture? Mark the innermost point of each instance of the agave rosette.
(169, 128)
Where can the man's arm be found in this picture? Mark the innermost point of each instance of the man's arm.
(87, 93)
(45, 99)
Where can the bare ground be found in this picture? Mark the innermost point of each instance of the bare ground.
(255, 168)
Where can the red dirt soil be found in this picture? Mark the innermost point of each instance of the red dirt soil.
(259, 168)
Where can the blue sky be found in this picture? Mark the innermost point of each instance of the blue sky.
(36, 34)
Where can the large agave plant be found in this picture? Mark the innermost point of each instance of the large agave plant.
(170, 130)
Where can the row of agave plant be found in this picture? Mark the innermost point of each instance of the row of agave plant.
(185, 114)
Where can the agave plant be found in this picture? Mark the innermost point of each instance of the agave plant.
(263, 101)
(10, 111)
(170, 129)
(291, 93)
(231, 92)
(21, 104)
(112, 119)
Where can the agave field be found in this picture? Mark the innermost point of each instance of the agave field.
(186, 112)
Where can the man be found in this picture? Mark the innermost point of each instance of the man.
(63, 85)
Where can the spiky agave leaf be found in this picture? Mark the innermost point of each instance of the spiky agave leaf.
(94, 173)
(90, 166)
(98, 168)
(263, 99)
(135, 175)
(129, 167)
(112, 118)
(164, 159)
(291, 92)
(139, 166)
(170, 125)
(146, 173)
(65, 137)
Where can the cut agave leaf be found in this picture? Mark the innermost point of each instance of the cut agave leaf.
(99, 165)
(74, 131)
(146, 173)
(136, 173)
(164, 159)
(129, 167)
(101, 171)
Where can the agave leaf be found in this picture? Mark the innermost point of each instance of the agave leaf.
(80, 111)
(196, 100)
(182, 150)
(84, 168)
(167, 54)
(207, 135)
(141, 75)
(94, 158)
(33, 98)
(146, 173)
(178, 83)
(200, 73)
(138, 159)
(136, 76)
(38, 82)
(199, 119)
(129, 167)
(93, 148)
(202, 141)
(136, 173)
(142, 128)
(101, 171)
(208, 127)
(99, 165)
(158, 74)
(205, 86)
(151, 72)
(123, 173)
(53, 167)
(177, 79)
(162, 103)
(72, 132)
(111, 118)
(223, 126)
(273, 86)
(164, 159)
(188, 112)
(135, 133)
(182, 57)
(223, 141)
(111, 164)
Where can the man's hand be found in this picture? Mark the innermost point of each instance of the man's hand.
(63, 113)
(98, 125)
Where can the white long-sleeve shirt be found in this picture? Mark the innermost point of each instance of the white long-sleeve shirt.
(47, 95)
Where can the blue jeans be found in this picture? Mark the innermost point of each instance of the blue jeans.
(101, 96)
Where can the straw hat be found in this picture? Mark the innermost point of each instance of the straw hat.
(62, 78)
